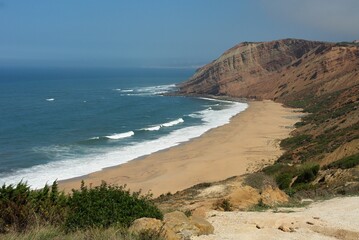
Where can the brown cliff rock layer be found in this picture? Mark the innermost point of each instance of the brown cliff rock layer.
(278, 70)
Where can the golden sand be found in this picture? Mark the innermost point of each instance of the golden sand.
(247, 143)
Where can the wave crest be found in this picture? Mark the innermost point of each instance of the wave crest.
(173, 123)
(120, 135)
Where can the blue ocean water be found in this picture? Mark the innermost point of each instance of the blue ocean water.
(64, 123)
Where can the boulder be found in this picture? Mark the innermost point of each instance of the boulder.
(244, 197)
(180, 224)
(272, 196)
(202, 224)
(145, 224)
(199, 212)
(284, 228)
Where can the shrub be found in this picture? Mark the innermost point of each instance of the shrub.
(296, 141)
(107, 205)
(21, 207)
(284, 174)
(307, 174)
(345, 163)
(223, 204)
(15, 207)
(284, 180)
(49, 204)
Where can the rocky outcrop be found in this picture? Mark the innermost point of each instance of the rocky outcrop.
(185, 227)
(155, 225)
(175, 226)
(272, 196)
(278, 70)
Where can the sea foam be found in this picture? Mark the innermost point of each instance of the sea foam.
(148, 91)
(117, 136)
(167, 124)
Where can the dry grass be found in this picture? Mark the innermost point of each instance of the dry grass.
(112, 233)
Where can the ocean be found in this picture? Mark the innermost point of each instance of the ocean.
(60, 123)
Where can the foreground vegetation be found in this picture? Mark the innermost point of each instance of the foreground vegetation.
(50, 232)
(87, 213)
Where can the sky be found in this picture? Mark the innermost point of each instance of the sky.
(160, 33)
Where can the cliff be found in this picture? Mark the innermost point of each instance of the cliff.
(321, 78)
(278, 70)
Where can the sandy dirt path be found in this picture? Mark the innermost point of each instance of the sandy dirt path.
(332, 219)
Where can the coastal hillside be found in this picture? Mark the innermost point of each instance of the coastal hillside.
(279, 70)
(321, 78)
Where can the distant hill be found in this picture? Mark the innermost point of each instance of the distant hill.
(320, 77)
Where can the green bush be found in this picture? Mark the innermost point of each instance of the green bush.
(49, 204)
(15, 207)
(21, 207)
(295, 141)
(284, 180)
(107, 205)
(284, 174)
(345, 163)
(307, 174)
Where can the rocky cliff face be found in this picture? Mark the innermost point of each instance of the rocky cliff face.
(278, 70)
(322, 78)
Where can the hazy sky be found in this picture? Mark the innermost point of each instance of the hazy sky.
(155, 33)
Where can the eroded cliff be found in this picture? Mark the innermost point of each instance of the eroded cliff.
(278, 70)
(320, 77)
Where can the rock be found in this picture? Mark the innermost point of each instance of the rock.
(199, 212)
(310, 223)
(243, 197)
(180, 224)
(258, 226)
(186, 227)
(144, 224)
(271, 70)
(284, 228)
(202, 224)
(272, 196)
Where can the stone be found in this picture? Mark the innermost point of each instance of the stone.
(244, 197)
(144, 224)
(180, 224)
(199, 212)
(284, 228)
(202, 224)
(273, 196)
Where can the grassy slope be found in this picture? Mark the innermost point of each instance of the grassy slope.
(332, 124)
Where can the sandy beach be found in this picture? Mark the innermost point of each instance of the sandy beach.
(248, 142)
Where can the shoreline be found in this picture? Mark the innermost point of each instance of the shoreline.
(248, 142)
